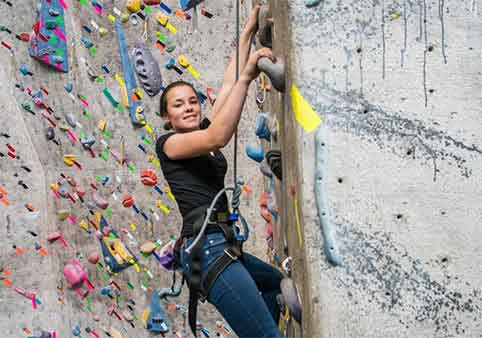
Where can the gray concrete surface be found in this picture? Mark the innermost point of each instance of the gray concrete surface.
(398, 86)
(208, 48)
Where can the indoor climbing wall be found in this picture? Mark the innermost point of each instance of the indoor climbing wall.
(380, 193)
(72, 155)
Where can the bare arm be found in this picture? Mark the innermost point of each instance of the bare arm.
(244, 52)
(222, 128)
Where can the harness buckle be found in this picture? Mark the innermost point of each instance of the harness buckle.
(227, 252)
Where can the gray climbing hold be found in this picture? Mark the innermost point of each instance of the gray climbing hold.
(329, 243)
(99, 201)
(45, 334)
(290, 298)
(265, 28)
(64, 189)
(147, 69)
(265, 169)
(71, 120)
(53, 12)
(50, 133)
(87, 142)
(275, 72)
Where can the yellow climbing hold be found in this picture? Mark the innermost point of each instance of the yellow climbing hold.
(84, 225)
(185, 63)
(139, 93)
(114, 333)
(133, 5)
(145, 315)
(103, 31)
(154, 161)
(63, 214)
(69, 159)
(164, 21)
(124, 17)
(161, 206)
(395, 15)
(102, 124)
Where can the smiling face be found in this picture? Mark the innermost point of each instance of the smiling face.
(183, 109)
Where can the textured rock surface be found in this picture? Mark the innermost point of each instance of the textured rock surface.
(207, 48)
(398, 86)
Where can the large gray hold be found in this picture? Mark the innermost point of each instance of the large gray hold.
(274, 71)
(147, 69)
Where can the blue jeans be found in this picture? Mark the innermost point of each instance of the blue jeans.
(244, 293)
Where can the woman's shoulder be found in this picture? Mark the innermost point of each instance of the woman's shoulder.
(160, 143)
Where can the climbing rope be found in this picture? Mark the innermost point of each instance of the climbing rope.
(235, 160)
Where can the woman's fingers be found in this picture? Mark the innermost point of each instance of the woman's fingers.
(251, 22)
(266, 52)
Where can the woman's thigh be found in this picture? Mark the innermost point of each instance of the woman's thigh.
(239, 301)
(266, 276)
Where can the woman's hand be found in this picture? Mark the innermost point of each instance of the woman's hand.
(251, 70)
(251, 23)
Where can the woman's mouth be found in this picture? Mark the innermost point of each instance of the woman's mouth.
(188, 117)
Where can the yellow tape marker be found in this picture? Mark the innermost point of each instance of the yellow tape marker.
(298, 225)
(304, 113)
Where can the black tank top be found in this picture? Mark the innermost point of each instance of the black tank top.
(194, 181)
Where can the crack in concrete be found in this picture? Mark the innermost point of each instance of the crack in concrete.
(359, 117)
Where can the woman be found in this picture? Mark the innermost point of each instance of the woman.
(244, 291)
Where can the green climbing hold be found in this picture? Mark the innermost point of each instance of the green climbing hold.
(51, 24)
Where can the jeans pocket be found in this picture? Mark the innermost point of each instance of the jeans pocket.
(213, 248)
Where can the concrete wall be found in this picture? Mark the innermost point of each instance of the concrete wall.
(398, 86)
(208, 48)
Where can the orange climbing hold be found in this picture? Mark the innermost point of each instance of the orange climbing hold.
(148, 177)
(128, 201)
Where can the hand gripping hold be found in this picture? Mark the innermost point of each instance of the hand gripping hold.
(275, 72)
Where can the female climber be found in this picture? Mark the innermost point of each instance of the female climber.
(242, 287)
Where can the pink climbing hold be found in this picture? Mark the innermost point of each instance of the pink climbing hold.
(93, 257)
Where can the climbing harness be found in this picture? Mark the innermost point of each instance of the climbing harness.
(198, 288)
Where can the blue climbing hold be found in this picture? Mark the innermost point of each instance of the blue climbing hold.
(262, 130)
(255, 152)
(188, 4)
(157, 320)
(69, 87)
